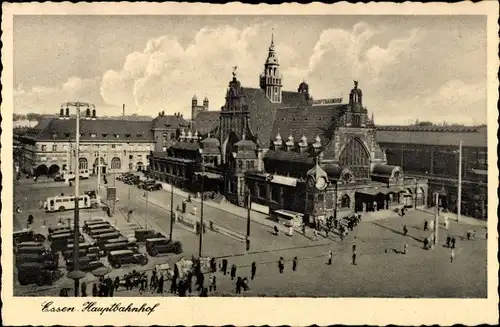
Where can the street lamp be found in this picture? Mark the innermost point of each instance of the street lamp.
(201, 209)
(249, 206)
(171, 207)
(76, 274)
(459, 191)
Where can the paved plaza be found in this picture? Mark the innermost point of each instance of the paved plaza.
(381, 269)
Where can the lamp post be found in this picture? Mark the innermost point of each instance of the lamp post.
(201, 209)
(249, 206)
(76, 274)
(336, 201)
(172, 218)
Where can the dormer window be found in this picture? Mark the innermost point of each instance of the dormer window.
(139, 134)
(127, 135)
(104, 134)
(93, 135)
(117, 135)
(66, 134)
(81, 134)
(54, 135)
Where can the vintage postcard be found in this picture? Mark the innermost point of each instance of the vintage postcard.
(200, 164)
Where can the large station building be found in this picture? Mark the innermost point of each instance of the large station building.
(285, 150)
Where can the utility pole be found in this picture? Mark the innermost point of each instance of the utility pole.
(172, 218)
(98, 171)
(249, 207)
(202, 196)
(436, 220)
(459, 191)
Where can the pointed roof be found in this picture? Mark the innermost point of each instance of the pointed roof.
(317, 172)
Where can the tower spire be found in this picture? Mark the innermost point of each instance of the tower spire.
(271, 47)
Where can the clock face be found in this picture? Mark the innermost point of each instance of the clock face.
(311, 182)
(320, 183)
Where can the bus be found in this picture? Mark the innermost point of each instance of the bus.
(61, 203)
(70, 175)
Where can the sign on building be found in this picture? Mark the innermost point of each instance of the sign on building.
(111, 193)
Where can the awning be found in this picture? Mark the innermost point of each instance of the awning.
(374, 192)
(287, 213)
(283, 180)
(370, 192)
(209, 175)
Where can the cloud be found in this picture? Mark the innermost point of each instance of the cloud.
(48, 99)
(423, 72)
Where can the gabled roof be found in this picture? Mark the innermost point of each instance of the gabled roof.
(104, 130)
(310, 121)
(206, 121)
(289, 156)
(170, 122)
(433, 135)
(263, 111)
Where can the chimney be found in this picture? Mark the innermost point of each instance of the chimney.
(67, 112)
(163, 113)
(94, 114)
(87, 113)
(182, 115)
(123, 110)
(61, 113)
(303, 144)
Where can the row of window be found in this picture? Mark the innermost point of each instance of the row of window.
(103, 146)
(94, 135)
(248, 164)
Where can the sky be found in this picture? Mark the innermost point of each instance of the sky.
(430, 68)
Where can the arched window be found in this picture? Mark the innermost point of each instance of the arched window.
(354, 154)
(345, 201)
(116, 163)
(83, 163)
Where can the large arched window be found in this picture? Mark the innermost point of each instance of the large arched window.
(83, 163)
(116, 163)
(354, 154)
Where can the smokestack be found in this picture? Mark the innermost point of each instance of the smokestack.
(123, 110)
(93, 114)
(61, 113)
(67, 112)
(87, 112)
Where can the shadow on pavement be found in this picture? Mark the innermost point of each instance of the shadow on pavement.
(418, 239)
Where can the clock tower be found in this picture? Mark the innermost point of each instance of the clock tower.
(317, 182)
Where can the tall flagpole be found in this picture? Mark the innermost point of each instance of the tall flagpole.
(459, 198)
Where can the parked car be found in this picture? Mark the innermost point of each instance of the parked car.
(35, 249)
(124, 176)
(61, 241)
(121, 257)
(86, 263)
(56, 229)
(49, 260)
(107, 236)
(132, 180)
(156, 246)
(36, 273)
(143, 184)
(153, 187)
(141, 235)
(90, 228)
(27, 244)
(105, 230)
(111, 247)
(27, 235)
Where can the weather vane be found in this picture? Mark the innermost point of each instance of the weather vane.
(234, 70)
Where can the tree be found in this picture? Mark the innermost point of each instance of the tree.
(33, 116)
(425, 123)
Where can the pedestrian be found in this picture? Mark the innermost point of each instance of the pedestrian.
(304, 229)
(117, 283)
(211, 278)
(405, 250)
(233, 271)
(315, 235)
(431, 225)
(173, 286)
(448, 240)
(275, 230)
(453, 242)
(200, 281)
(426, 243)
(405, 230)
(160, 284)
(426, 225)
(204, 292)
(238, 285)
(446, 222)
(294, 264)
(84, 289)
(452, 256)
(290, 231)
(342, 235)
(354, 245)
(354, 258)
(326, 232)
(281, 265)
(254, 269)
(330, 256)
(190, 282)
(182, 288)
(224, 266)
(244, 284)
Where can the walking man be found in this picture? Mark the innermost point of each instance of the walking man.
(354, 258)
(294, 263)
(315, 235)
(84, 289)
(405, 249)
(254, 269)
(452, 257)
(453, 242)
(224, 266)
(426, 226)
(405, 230)
(330, 256)
(304, 229)
(233, 271)
(448, 240)
(290, 231)
(281, 265)
(276, 230)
